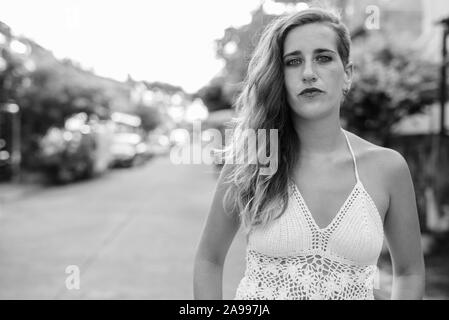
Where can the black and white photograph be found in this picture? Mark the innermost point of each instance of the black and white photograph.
(224, 150)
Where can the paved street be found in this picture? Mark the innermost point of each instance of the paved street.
(132, 232)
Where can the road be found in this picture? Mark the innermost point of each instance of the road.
(131, 232)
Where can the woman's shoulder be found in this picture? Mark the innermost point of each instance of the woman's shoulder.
(364, 148)
(377, 158)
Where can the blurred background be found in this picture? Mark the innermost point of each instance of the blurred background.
(95, 95)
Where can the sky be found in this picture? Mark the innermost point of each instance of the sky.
(170, 41)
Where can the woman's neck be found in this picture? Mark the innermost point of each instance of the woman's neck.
(320, 138)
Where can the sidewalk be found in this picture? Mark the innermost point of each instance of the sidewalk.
(11, 191)
(26, 185)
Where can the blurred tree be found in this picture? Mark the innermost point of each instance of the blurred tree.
(214, 97)
(389, 83)
(151, 116)
(49, 91)
(13, 66)
(236, 47)
(57, 89)
(165, 87)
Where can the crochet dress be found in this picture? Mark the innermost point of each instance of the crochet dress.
(292, 258)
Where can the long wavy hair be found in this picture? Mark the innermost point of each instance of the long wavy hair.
(262, 104)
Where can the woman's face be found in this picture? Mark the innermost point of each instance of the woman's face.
(311, 61)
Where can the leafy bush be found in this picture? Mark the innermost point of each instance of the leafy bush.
(389, 83)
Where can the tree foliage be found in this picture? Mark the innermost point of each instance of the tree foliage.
(389, 83)
(214, 97)
(235, 49)
(150, 115)
(53, 90)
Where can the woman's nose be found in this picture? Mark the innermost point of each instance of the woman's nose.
(309, 73)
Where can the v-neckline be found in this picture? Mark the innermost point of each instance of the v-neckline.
(309, 213)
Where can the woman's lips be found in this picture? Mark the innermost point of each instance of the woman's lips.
(311, 93)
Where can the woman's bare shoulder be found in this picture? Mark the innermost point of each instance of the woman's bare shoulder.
(380, 159)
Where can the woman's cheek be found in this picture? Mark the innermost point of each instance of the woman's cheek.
(335, 82)
(290, 85)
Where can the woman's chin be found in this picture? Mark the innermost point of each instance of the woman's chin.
(312, 110)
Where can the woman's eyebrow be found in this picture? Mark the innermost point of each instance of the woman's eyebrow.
(298, 52)
(293, 53)
(324, 50)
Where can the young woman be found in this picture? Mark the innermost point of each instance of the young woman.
(314, 227)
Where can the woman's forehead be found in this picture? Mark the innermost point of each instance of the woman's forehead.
(309, 37)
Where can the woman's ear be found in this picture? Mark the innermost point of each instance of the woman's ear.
(349, 69)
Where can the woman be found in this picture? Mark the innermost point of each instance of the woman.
(314, 227)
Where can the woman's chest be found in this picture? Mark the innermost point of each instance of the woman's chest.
(355, 233)
(325, 192)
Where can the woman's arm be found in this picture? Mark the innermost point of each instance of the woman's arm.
(402, 231)
(218, 234)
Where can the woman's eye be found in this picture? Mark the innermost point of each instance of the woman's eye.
(293, 62)
(324, 59)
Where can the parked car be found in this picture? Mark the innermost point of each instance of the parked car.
(128, 149)
(158, 144)
(79, 150)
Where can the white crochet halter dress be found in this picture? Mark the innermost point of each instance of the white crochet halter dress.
(292, 258)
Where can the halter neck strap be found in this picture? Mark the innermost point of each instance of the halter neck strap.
(353, 156)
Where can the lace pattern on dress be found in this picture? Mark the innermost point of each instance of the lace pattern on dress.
(304, 277)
